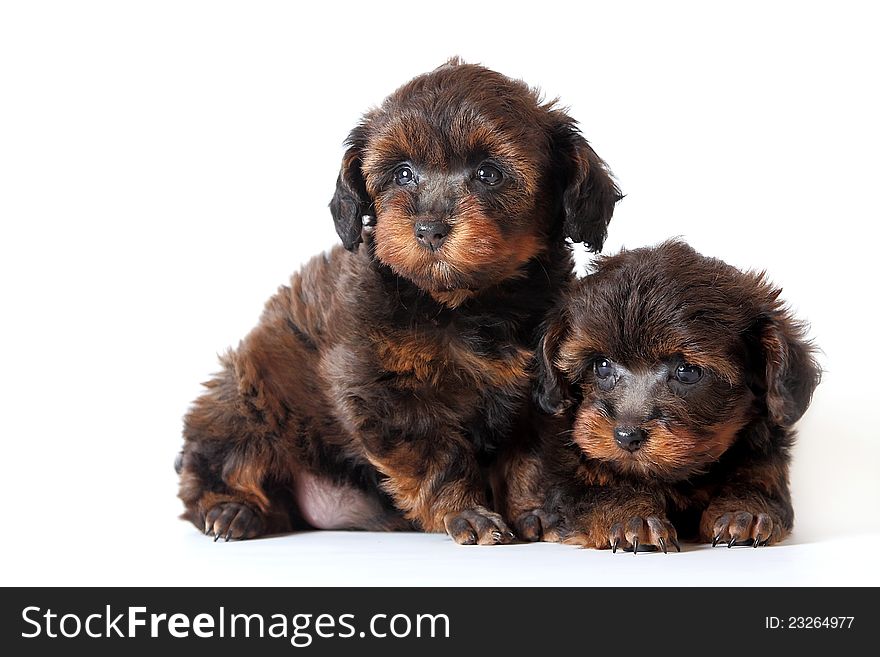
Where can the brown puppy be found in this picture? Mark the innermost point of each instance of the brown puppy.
(379, 384)
(676, 380)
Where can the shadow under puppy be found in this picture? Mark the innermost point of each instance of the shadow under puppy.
(675, 380)
(378, 385)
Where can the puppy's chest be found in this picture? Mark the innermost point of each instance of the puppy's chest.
(445, 359)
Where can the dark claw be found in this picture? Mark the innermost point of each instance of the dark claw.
(715, 540)
(765, 542)
(676, 544)
(731, 542)
(509, 534)
(228, 536)
(662, 545)
(635, 545)
(216, 536)
(614, 544)
(757, 542)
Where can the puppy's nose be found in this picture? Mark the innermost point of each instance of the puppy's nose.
(431, 234)
(630, 438)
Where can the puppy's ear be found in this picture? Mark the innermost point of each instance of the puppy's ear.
(552, 392)
(589, 192)
(791, 371)
(351, 202)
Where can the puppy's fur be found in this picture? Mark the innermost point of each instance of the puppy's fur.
(675, 380)
(382, 380)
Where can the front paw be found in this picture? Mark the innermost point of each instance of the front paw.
(639, 534)
(232, 520)
(537, 525)
(477, 526)
(741, 528)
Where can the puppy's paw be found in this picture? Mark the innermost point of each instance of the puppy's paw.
(741, 528)
(537, 525)
(637, 534)
(477, 526)
(645, 534)
(229, 520)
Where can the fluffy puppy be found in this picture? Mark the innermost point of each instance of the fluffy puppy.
(675, 380)
(379, 384)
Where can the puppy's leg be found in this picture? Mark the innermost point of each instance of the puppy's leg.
(752, 508)
(518, 486)
(231, 450)
(437, 483)
(618, 518)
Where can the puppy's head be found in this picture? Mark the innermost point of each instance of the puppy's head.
(663, 356)
(467, 176)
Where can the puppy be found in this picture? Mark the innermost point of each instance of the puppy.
(675, 380)
(381, 382)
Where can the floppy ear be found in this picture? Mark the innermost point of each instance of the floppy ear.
(589, 193)
(351, 203)
(551, 391)
(790, 369)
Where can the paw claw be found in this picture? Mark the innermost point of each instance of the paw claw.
(650, 533)
(232, 520)
(477, 525)
(755, 528)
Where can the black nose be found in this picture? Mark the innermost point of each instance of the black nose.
(630, 438)
(431, 234)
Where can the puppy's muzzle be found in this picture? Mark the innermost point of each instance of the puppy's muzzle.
(431, 234)
(630, 438)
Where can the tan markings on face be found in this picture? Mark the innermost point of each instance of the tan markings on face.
(475, 254)
(396, 244)
(671, 452)
(575, 350)
(594, 434)
(496, 144)
(476, 243)
(401, 139)
(584, 342)
(718, 362)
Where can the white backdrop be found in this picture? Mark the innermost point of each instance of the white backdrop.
(164, 166)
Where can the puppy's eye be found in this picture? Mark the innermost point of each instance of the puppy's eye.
(489, 174)
(403, 175)
(688, 373)
(603, 368)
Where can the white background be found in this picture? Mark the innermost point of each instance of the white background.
(164, 166)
